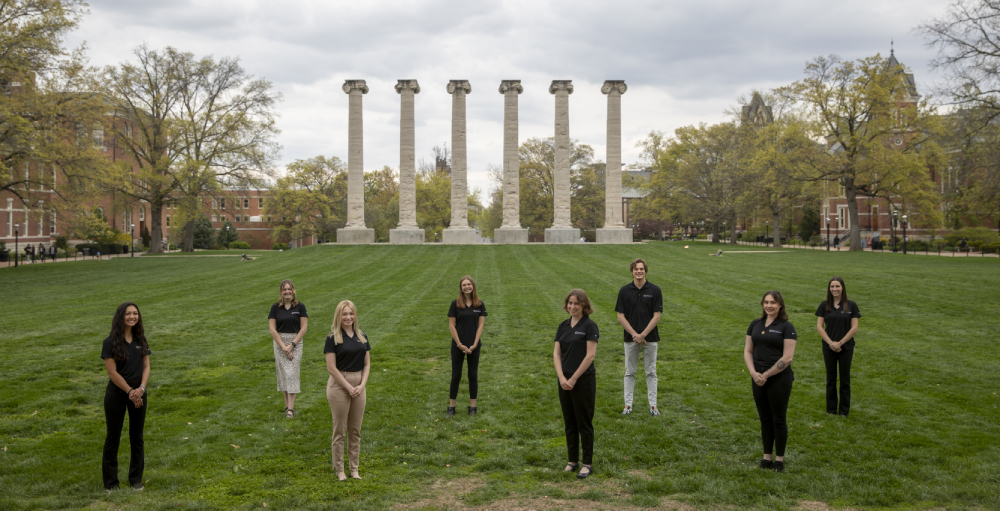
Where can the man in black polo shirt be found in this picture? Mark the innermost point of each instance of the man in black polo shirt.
(639, 307)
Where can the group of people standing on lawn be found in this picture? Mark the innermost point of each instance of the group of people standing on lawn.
(768, 353)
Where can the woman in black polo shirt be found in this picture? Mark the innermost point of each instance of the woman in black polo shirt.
(768, 353)
(348, 361)
(466, 318)
(288, 322)
(573, 357)
(126, 358)
(837, 319)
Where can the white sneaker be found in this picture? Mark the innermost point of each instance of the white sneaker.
(627, 410)
(654, 412)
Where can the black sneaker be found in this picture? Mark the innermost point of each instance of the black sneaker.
(766, 464)
(779, 466)
(451, 411)
(137, 486)
(472, 411)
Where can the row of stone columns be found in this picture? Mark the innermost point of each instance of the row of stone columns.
(459, 232)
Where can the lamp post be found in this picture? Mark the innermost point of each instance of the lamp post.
(723, 227)
(904, 234)
(767, 231)
(827, 234)
(131, 247)
(634, 229)
(16, 255)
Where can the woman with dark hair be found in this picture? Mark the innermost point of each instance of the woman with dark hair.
(573, 358)
(837, 319)
(348, 360)
(768, 353)
(466, 318)
(126, 358)
(288, 322)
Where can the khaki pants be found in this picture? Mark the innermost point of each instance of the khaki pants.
(347, 412)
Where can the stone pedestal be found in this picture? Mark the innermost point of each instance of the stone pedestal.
(458, 236)
(406, 236)
(555, 235)
(614, 235)
(362, 236)
(510, 236)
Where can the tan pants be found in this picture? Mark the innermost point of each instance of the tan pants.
(347, 412)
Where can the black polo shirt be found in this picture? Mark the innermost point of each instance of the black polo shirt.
(350, 353)
(131, 367)
(769, 342)
(838, 321)
(573, 344)
(286, 321)
(467, 321)
(638, 306)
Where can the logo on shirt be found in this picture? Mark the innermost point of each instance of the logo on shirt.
(776, 331)
(474, 310)
(647, 296)
(296, 312)
(580, 333)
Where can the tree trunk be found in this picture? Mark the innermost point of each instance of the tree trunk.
(156, 233)
(852, 213)
(715, 232)
(776, 218)
(732, 232)
(188, 237)
(659, 225)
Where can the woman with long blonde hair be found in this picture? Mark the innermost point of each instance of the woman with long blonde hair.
(348, 361)
(288, 322)
(466, 318)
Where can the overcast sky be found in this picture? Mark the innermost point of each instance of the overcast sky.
(684, 62)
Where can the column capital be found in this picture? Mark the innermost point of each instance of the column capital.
(506, 85)
(407, 84)
(558, 85)
(610, 85)
(454, 85)
(350, 85)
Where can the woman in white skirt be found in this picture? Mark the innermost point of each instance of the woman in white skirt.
(288, 322)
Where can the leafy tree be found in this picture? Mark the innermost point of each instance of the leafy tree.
(659, 204)
(227, 234)
(881, 136)
(204, 233)
(810, 224)
(492, 216)
(190, 126)
(587, 191)
(433, 201)
(50, 119)
(382, 201)
(310, 200)
(146, 238)
(536, 167)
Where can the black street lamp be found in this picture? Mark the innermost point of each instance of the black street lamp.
(634, 229)
(131, 248)
(723, 228)
(827, 234)
(895, 223)
(904, 234)
(16, 227)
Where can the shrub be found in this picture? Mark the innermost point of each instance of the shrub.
(219, 247)
(242, 245)
(992, 248)
(280, 246)
(972, 234)
(62, 242)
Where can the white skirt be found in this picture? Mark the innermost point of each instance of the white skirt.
(288, 370)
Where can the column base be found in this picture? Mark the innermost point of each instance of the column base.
(355, 236)
(617, 235)
(406, 236)
(458, 236)
(510, 236)
(562, 235)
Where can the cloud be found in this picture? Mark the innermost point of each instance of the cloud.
(684, 62)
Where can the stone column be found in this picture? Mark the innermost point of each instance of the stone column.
(562, 230)
(458, 232)
(407, 232)
(355, 231)
(511, 230)
(614, 230)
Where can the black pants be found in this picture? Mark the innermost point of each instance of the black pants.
(116, 404)
(838, 362)
(457, 358)
(578, 415)
(772, 406)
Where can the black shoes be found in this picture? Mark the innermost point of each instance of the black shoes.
(779, 466)
(766, 464)
(451, 412)
(582, 475)
(472, 411)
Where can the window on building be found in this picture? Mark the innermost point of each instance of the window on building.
(98, 135)
(260, 203)
(53, 187)
(100, 211)
(142, 213)
(222, 203)
(246, 203)
(27, 176)
(10, 223)
(41, 226)
(843, 220)
(215, 218)
(168, 220)
(268, 218)
(52, 222)
(215, 204)
(127, 131)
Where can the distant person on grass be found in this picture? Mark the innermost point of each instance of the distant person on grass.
(126, 358)
(573, 357)
(768, 353)
(837, 319)
(639, 307)
(288, 322)
(466, 318)
(348, 361)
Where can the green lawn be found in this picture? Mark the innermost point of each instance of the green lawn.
(923, 430)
